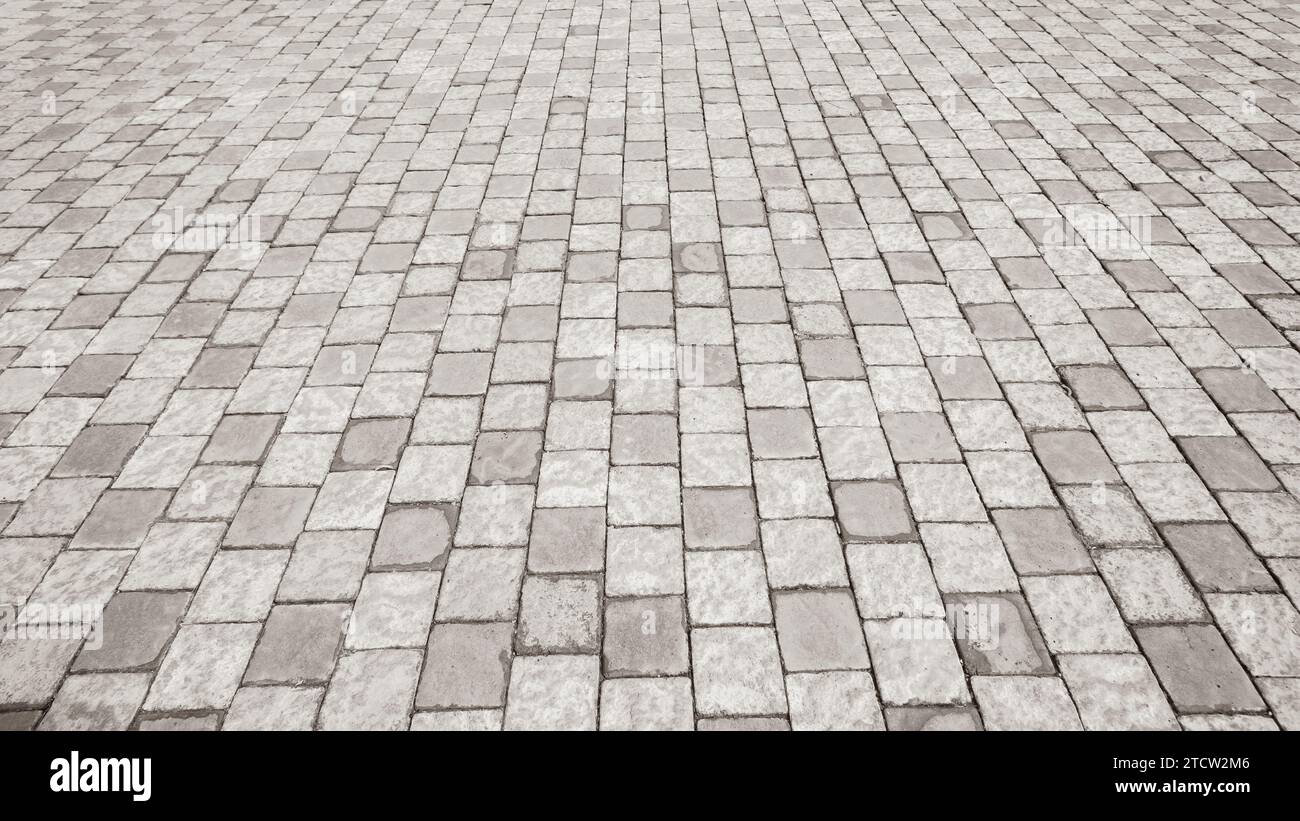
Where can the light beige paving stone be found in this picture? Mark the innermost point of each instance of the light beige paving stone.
(1116, 692)
(1025, 703)
(737, 671)
(203, 667)
(273, 708)
(838, 700)
(371, 690)
(97, 701)
(553, 693)
(646, 704)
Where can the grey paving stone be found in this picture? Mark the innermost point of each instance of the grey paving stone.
(645, 637)
(819, 630)
(553, 693)
(567, 540)
(1197, 669)
(298, 645)
(414, 537)
(136, 629)
(467, 665)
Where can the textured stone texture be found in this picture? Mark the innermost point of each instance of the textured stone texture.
(681, 365)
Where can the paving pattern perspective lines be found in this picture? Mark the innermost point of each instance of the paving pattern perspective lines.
(656, 364)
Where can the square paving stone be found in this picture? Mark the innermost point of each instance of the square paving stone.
(645, 637)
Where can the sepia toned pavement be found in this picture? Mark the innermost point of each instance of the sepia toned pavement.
(649, 365)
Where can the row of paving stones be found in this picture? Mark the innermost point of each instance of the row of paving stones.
(650, 365)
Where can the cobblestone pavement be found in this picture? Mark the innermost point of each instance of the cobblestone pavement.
(577, 364)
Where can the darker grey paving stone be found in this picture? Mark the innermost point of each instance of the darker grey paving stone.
(88, 311)
(1197, 669)
(100, 450)
(920, 437)
(996, 635)
(1245, 328)
(414, 537)
(999, 320)
(1236, 389)
(645, 217)
(1027, 272)
(137, 628)
(567, 540)
(506, 457)
(79, 262)
(645, 309)
(92, 375)
(372, 444)
(645, 637)
(780, 433)
(466, 665)
(191, 319)
(1124, 326)
(697, 257)
(121, 519)
(1073, 457)
(1097, 387)
(1042, 542)
(241, 439)
(819, 630)
(874, 308)
(488, 265)
(873, 511)
(244, 190)
(177, 268)
(836, 358)
(220, 368)
(1217, 558)
(309, 310)
(708, 366)
(963, 377)
(913, 267)
(583, 379)
(298, 645)
(720, 518)
(741, 213)
(937, 227)
(270, 517)
(20, 721)
(1254, 278)
(944, 719)
(1228, 463)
